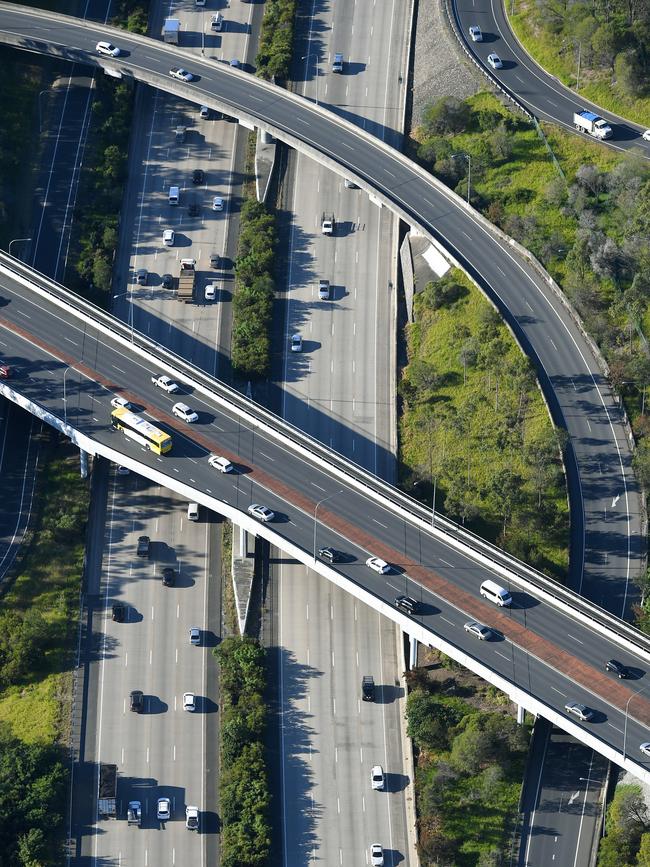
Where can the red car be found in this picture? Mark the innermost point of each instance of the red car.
(5, 371)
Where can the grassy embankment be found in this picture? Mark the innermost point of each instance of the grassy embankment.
(560, 58)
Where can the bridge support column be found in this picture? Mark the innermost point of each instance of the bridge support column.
(521, 710)
(413, 652)
(241, 545)
(83, 463)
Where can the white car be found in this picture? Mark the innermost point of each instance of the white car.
(495, 61)
(296, 343)
(181, 74)
(118, 402)
(261, 513)
(475, 33)
(646, 135)
(210, 291)
(189, 701)
(168, 237)
(217, 203)
(481, 631)
(107, 48)
(165, 383)
(164, 811)
(583, 713)
(376, 855)
(234, 63)
(192, 818)
(645, 749)
(183, 411)
(377, 778)
(377, 565)
(221, 464)
(195, 635)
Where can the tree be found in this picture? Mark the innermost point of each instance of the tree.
(626, 70)
(501, 143)
(627, 816)
(589, 177)
(469, 751)
(643, 855)
(448, 115)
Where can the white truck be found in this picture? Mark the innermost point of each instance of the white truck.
(328, 224)
(134, 813)
(587, 121)
(171, 30)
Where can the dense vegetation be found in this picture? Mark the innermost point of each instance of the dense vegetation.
(38, 629)
(627, 838)
(474, 424)
(131, 15)
(470, 762)
(589, 226)
(99, 199)
(243, 783)
(33, 797)
(254, 290)
(602, 48)
(276, 39)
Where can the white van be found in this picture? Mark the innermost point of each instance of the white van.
(193, 512)
(174, 195)
(496, 594)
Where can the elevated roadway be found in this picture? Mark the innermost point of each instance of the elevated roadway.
(606, 540)
(71, 358)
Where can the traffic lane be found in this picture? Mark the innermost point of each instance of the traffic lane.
(540, 92)
(305, 542)
(367, 510)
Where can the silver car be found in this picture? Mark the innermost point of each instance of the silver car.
(482, 632)
(583, 713)
(164, 810)
(261, 513)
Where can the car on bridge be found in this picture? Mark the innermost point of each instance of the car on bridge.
(107, 48)
(377, 565)
(117, 402)
(184, 412)
(165, 383)
(480, 630)
(617, 668)
(645, 749)
(5, 371)
(181, 74)
(583, 713)
(330, 555)
(260, 512)
(407, 604)
(220, 463)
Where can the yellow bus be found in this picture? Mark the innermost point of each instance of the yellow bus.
(140, 430)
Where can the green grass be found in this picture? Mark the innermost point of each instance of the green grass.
(48, 579)
(477, 424)
(596, 85)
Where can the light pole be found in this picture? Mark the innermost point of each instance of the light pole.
(319, 503)
(627, 705)
(16, 240)
(65, 400)
(308, 57)
(469, 170)
(130, 316)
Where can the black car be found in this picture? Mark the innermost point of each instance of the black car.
(198, 176)
(168, 577)
(144, 543)
(617, 667)
(329, 554)
(118, 612)
(215, 260)
(368, 687)
(167, 281)
(194, 210)
(136, 701)
(406, 604)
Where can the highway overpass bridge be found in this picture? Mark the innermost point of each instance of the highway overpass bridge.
(69, 359)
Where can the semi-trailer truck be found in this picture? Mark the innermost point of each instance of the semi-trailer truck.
(587, 121)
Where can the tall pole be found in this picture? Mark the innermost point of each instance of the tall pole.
(627, 705)
(15, 240)
(578, 74)
(319, 503)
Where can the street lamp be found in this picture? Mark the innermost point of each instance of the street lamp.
(469, 170)
(319, 503)
(308, 57)
(15, 240)
(130, 316)
(627, 705)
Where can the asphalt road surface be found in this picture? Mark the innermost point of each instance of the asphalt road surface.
(542, 94)
(606, 539)
(284, 482)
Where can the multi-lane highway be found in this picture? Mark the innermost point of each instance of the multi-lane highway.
(598, 458)
(551, 656)
(534, 88)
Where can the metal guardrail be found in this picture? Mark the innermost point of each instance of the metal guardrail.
(241, 406)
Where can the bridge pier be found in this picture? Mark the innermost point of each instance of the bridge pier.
(413, 652)
(83, 463)
(521, 710)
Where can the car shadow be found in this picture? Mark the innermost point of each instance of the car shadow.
(154, 705)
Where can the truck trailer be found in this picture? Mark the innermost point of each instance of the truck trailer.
(587, 121)
(171, 30)
(107, 791)
(186, 280)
